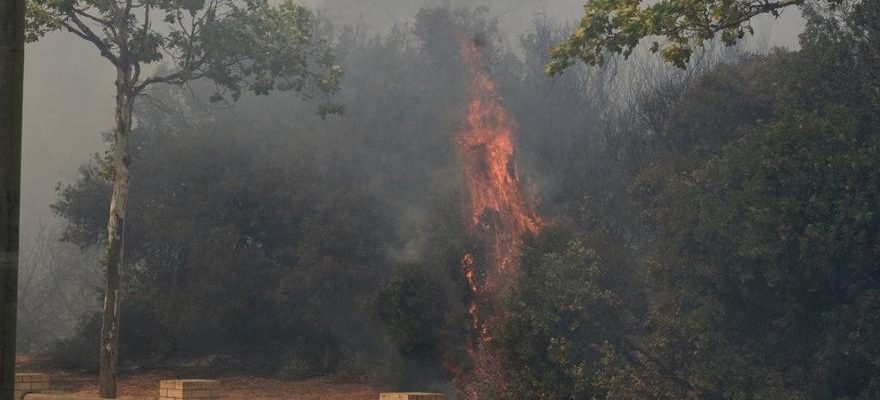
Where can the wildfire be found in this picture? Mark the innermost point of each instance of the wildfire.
(499, 211)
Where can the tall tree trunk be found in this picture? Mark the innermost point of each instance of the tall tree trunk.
(115, 232)
(11, 77)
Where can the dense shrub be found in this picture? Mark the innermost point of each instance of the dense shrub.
(759, 251)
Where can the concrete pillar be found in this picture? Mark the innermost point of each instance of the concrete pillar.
(189, 389)
(412, 396)
(30, 383)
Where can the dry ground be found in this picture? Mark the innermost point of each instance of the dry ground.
(146, 387)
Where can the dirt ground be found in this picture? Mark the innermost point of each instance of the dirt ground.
(146, 387)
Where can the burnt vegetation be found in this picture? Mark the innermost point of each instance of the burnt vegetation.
(711, 233)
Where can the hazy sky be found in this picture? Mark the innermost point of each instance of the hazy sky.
(69, 88)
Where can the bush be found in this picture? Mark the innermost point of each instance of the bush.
(412, 305)
(79, 352)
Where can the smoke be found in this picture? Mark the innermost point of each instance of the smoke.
(69, 103)
(514, 16)
(68, 87)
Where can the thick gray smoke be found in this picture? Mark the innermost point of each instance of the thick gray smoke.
(68, 87)
(68, 93)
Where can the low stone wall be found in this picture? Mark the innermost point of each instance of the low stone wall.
(412, 396)
(33, 396)
(37, 386)
(31, 383)
(189, 389)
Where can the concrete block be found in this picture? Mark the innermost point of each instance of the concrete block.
(189, 389)
(59, 397)
(412, 396)
(31, 383)
(31, 377)
(189, 384)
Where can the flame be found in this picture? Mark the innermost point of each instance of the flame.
(499, 211)
(497, 203)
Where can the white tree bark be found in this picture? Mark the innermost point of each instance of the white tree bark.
(115, 230)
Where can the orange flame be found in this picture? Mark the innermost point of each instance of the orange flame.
(499, 210)
(486, 145)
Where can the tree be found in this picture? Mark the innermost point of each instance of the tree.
(756, 205)
(318, 211)
(577, 306)
(231, 225)
(764, 264)
(11, 79)
(618, 26)
(57, 284)
(240, 45)
(766, 260)
(412, 306)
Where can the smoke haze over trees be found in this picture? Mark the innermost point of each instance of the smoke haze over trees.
(712, 233)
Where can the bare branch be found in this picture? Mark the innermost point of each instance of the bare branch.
(83, 31)
(183, 75)
(101, 21)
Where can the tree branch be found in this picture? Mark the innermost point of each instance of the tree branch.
(124, 33)
(762, 9)
(83, 31)
(144, 34)
(91, 17)
(181, 76)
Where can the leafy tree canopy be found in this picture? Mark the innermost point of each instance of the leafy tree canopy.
(241, 45)
(676, 27)
(758, 244)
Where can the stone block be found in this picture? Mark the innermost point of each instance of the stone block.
(412, 396)
(33, 396)
(31, 383)
(189, 389)
(31, 377)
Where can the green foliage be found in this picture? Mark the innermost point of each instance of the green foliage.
(411, 305)
(765, 258)
(257, 240)
(261, 48)
(241, 45)
(758, 243)
(716, 241)
(222, 241)
(575, 305)
(611, 27)
(77, 353)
